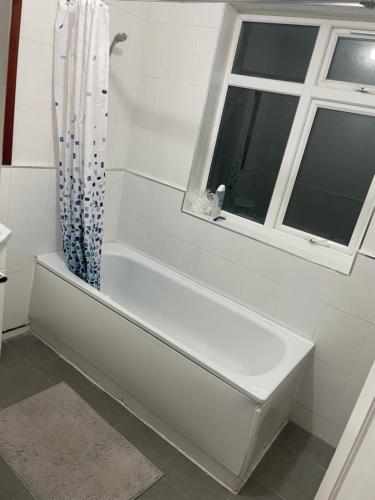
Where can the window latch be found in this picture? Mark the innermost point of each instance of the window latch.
(318, 241)
(364, 90)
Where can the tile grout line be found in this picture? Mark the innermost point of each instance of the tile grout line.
(301, 454)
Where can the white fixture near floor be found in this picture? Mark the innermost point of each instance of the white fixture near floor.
(215, 379)
(4, 237)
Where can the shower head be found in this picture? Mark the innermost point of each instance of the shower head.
(119, 38)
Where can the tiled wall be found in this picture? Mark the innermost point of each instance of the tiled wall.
(336, 311)
(28, 207)
(28, 189)
(176, 45)
(159, 81)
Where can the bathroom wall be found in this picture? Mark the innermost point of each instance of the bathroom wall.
(28, 188)
(5, 13)
(177, 45)
(336, 311)
(158, 84)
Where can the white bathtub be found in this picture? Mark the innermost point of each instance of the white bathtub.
(214, 378)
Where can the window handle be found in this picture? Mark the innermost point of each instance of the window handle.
(365, 90)
(318, 241)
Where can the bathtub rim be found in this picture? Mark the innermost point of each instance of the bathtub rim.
(117, 248)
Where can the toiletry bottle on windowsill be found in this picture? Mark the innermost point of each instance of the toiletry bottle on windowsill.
(220, 194)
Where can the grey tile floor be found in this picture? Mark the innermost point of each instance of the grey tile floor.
(291, 470)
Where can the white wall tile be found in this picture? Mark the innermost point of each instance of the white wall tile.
(38, 20)
(227, 244)
(162, 246)
(31, 145)
(116, 89)
(186, 13)
(366, 356)
(133, 199)
(269, 261)
(333, 434)
(321, 388)
(52, 240)
(135, 45)
(298, 311)
(309, 421)
(168, 158)
(260, 293)
(28, 194)
(212, 14)
(226, 277)
(153, 44)
(159, 12)
(110, 226)
(141, 9)
(4, 193)
(169, 218)
(34, 74)
(135, 159)
(146, 92)
(111, 131)
(131, 231)
(17, 299)
(344, 407)
(120, 22)
(338, 337)
(355, 293)
(127, 102)
(120, 145)
(25, 243)
(195, 262)
(178, 109)
(53, 208)
(178, 53)
(203, 56)
(307, 277)
(113, 186)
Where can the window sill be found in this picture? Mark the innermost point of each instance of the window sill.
(324, 256)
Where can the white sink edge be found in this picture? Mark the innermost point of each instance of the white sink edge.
(5, 234)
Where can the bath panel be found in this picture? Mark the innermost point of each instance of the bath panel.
(208, 412)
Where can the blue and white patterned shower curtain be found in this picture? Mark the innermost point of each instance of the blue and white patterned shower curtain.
(81, 63)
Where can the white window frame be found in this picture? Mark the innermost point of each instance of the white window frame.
(315, 91)
(355, 34)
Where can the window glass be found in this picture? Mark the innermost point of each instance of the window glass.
(334, 177)
(277, 51)
(353, 61)
(253, 134)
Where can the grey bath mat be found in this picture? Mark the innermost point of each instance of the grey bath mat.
(62, 449)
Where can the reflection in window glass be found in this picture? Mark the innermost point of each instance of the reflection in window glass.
(277, 51)
(334, 177)
(250, 145)
(353, 61)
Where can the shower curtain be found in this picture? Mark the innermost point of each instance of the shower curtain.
(81, 64)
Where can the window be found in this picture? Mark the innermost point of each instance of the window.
(293, 139)
(283, 51)
(350, 59)
(243, 159)
(334, 176)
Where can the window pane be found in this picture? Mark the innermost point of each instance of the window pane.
(334, 176)
(353, 61)
(278, 51)
(253, 133)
